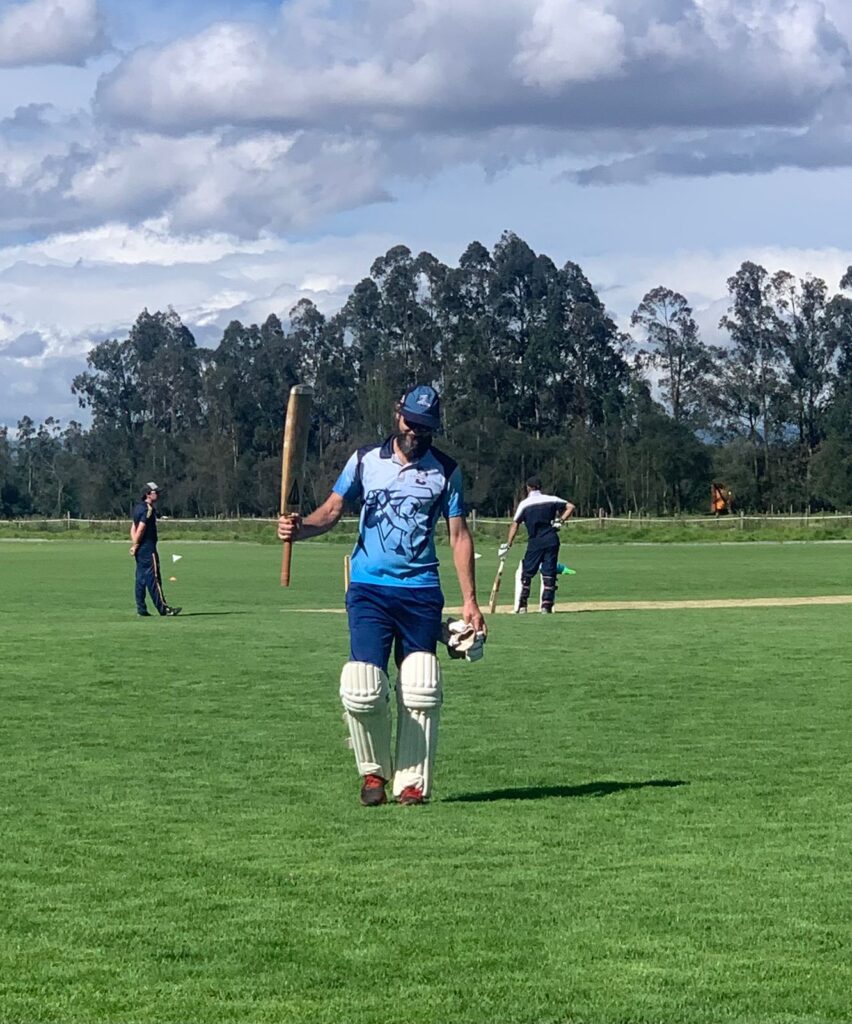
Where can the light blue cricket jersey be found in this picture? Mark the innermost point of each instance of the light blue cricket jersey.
(402, 504)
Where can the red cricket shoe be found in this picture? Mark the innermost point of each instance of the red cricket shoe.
(373, 791)
(411, 796)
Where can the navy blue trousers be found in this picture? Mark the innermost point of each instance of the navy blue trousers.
(379, 617)
(545, 559)
(148, 578)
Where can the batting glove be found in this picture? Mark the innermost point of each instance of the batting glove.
(502, 551)
(477, 649)
(462, 641)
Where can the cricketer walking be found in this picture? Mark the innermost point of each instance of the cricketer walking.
(394, 599)
(143, 547)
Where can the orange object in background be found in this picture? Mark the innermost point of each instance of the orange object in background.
(721, 499)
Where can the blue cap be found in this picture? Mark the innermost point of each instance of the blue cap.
(422, 407)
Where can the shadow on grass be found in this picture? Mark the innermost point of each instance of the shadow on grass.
(547, 792)
(194, 615)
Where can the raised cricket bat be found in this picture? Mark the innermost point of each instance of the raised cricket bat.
(495, 587)
(296, 424)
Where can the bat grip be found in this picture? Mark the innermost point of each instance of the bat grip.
(286, 555)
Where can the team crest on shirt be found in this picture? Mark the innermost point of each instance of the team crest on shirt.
(398, 518)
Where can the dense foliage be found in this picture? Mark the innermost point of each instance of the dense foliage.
(534, 373)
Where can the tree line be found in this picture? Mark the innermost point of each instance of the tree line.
(534, 373)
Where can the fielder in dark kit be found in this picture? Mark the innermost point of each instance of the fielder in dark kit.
(143, 547)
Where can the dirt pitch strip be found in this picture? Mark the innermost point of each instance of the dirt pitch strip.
(648, 606)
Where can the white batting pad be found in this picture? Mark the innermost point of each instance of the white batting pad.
(419, 696)
(365, 692)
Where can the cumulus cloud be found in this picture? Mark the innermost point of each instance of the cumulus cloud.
(247, 128)
(486, 64)
(51, 32)
(67, 174)
(198, 153)
(570, 41)
(392, 87)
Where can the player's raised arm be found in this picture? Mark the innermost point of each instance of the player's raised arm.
(294, 527)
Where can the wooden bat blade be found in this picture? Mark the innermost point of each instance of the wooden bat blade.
(294, 449)
(495, 587)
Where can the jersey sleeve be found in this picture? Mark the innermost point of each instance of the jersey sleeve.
(520, 512)
(140, 514)
(453, 505)
(348, 484)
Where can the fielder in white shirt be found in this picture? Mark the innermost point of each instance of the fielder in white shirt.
(542, 515)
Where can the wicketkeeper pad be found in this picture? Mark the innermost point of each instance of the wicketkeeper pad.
(365, 692)
(419, 695)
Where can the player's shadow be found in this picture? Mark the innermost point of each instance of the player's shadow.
(548, 792)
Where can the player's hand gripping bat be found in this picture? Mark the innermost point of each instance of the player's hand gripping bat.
(295, 446)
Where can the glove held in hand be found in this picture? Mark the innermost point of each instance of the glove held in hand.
(462, 640)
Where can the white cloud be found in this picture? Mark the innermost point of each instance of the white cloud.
(203, 150)
(67, 174)
(234, 74)
(570, 41)
(100, 280)
(249, 129)
(51, 32)
(433, 66)
(116, 244)
(791, 37)
(402, 84)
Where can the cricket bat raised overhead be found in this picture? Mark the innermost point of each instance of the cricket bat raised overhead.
(495, 587)
(293, 451)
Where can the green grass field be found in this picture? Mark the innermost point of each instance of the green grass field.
(639, 816)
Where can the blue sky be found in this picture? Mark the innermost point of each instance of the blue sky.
(229, 159)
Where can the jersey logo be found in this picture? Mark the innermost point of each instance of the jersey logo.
(395, 519)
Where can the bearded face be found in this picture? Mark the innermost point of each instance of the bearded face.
(412, 440)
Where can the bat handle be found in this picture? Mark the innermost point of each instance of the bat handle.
(286, 555)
